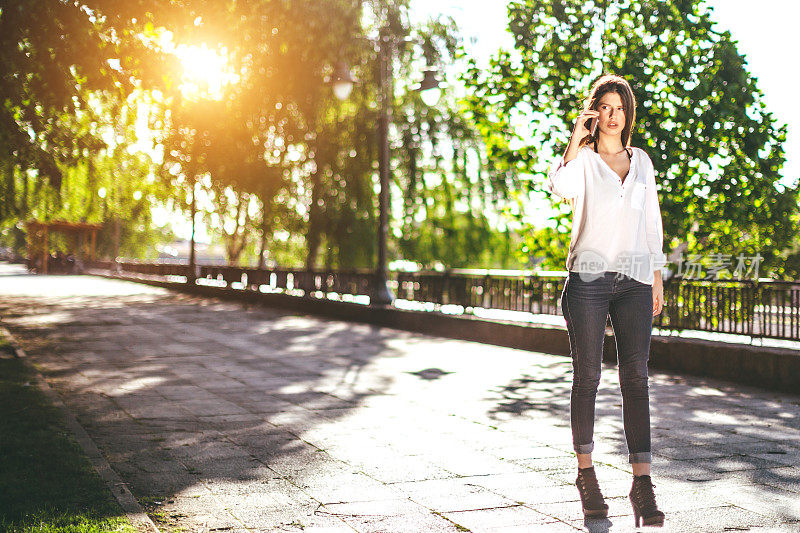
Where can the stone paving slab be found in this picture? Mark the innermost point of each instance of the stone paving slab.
(222, 417)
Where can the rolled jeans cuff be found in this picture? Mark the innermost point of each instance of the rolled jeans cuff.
(640, 457)
(584, 448)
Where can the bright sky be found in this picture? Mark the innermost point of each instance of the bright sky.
(766, 35)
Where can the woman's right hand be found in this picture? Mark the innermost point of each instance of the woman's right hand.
(581, 130)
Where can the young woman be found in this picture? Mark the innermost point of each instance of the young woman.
(614, 263)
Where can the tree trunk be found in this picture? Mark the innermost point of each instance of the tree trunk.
(117, 235)
(237, 240)
(313, 237)
(264, 229)
(192, 258)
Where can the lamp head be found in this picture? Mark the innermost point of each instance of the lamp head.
(342, 81)
(429, 88)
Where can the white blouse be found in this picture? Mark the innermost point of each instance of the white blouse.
(616, 225)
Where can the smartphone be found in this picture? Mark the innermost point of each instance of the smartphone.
(591, 125)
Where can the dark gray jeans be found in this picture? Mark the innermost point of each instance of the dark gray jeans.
(586, 303)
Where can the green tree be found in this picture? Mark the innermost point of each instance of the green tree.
(270, 135)
(448, 186)
(280, 133)
(53, 56)
(114, 186)
(701, 117)
(276, 141)
(57, 61)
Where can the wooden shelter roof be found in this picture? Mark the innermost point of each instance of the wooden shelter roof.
(62, 225)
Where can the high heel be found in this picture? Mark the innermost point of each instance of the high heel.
(643, 500)
(594, 506)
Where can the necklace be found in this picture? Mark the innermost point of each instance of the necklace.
(615, 153)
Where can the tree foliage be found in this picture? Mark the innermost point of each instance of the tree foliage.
(114, 186)
(57, 61)
(53, 56)
(276, 162)
(700, 116)
(447, 186)
(280, 135)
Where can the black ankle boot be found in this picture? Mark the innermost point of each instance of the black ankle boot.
(594, 505)
(643, 500)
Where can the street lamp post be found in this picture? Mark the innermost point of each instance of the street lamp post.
(382, 294)
(191, 278)
(430, 93)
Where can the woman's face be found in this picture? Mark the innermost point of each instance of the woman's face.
(612, 114)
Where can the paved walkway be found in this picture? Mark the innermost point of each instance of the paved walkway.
(224, 418)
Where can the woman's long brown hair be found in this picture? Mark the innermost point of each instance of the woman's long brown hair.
(605, 84)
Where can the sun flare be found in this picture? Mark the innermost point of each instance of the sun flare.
(206, 72)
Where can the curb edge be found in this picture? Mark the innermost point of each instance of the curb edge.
(130, 505)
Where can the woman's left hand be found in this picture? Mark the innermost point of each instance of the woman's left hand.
(658, 293)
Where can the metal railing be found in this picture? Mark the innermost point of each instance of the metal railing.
(753, 308)
(269, 279)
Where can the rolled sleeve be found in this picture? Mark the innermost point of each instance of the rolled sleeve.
(653, 222)
(567, 180)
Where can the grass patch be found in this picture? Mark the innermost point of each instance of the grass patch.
(46, 482)
(5, 347)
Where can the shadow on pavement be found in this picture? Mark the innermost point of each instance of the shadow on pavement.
(705, 432)
(209, 410)
(182, 391)
(598, 525)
